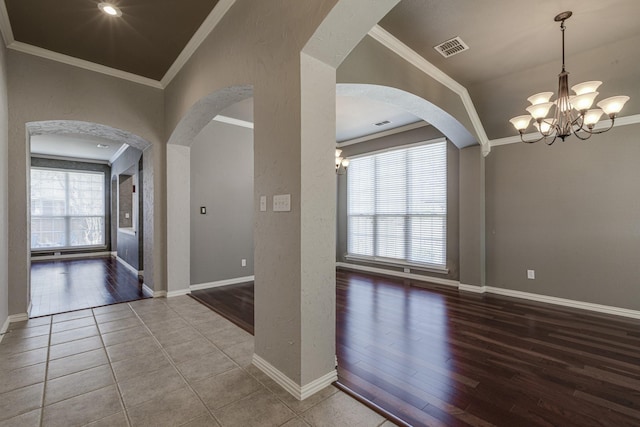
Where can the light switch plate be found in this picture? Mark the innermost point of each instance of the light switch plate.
(203, 210)
(282, 203)
(263, 203)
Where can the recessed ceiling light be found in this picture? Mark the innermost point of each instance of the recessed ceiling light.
(110, 9)
(102, 146)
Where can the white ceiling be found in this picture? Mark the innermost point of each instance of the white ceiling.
(74, 146)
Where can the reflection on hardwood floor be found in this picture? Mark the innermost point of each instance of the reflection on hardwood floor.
(435, 356)
(74, 284)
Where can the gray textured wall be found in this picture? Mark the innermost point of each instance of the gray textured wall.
(125, 201)
(472, 218)
(43, 90)
(129, 247)
(84, 166)
(222, 181)
(4, 189)
(571, 212)
(417, 135)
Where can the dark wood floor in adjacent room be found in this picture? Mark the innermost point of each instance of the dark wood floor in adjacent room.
(58, 286)
(435, 356)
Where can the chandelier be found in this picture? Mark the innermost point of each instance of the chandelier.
(573, 113)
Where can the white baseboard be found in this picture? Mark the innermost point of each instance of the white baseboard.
(159, 294)
(219, 283)
(618, 311)
(70, 256)
(297, 391)
(412, 276)
(147, 291)
(5, 328)
(129, 266)
(472, 288)
(178, 293)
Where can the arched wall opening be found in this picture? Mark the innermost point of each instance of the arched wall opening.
(179, 208)
(107, 133)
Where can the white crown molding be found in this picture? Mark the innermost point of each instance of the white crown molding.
(5, 24)
(377, 135)
(72, 159)
(225, 282)
(299, 392)
(412, 276)
(620, 121)
(118, 153)
(405, 52)
(232, 121)
(81, 63)
(216, 15)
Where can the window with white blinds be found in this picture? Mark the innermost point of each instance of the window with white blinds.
(397, 205)
(67, 209)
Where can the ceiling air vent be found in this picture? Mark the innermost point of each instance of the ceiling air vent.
(386, 122)
(451, 47)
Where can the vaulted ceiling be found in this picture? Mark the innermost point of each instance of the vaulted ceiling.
(514, 44)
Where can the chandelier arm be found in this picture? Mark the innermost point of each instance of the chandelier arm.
(555, 136)
(534, 140)
(586, 131)
(598, 132)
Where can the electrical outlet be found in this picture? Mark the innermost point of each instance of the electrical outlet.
(406, 270)
(531, 274)
(263, 203)
(126, 215)
(243, 262)
(203, 210)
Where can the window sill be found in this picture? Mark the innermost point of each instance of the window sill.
(398, 264)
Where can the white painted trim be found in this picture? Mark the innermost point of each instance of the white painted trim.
(21, 317)
(412, 276)
(5, 24)
(620, 121)
(72, 159)
(147, 290)
(399, 129)
(81, 63)
(472, 288)
(635, 314)
(118, 153)
(160, 294)
(405, 52)
(232, 121)
(212, 20)
(114, 253)
(5, 325)
(219, 283)
(70, 256)
(178, 293)
(128, 266)
(299, 392)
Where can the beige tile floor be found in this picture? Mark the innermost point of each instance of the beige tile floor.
(155, 362)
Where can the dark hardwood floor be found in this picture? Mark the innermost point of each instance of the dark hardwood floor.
(434, 356)
(235, 302)
(74, 284)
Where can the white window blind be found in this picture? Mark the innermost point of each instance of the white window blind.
(397, 205)
(67, 209)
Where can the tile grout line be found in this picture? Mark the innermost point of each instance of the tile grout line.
(171, 362)
(296, 415)
(113, 374)
(46, 372)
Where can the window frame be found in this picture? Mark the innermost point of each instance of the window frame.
(376, 259)
(69, 218)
